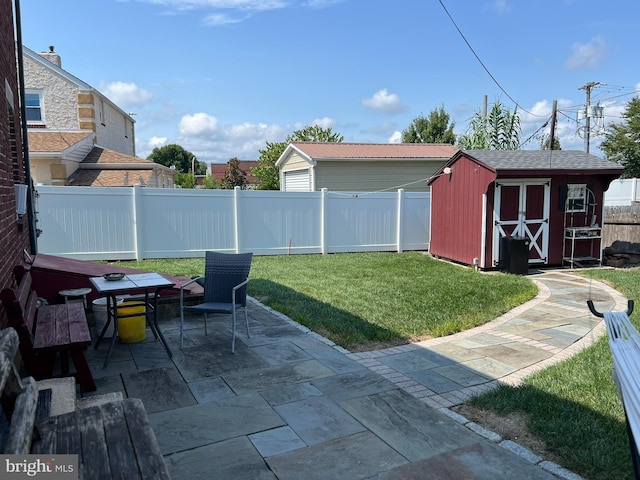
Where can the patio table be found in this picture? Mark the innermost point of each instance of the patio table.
(151, 283)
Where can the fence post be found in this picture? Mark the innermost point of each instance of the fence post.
(400, 223)
(236, 216)
(323, 220)
(137, 228)
(634, 190)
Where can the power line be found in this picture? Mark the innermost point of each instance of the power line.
(483, 65)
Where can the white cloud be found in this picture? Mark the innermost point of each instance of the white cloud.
(157, 141)
(587, 55)
(217, 19)
(501, 6)
(396, 137)
(324, 122)
(125, 94)
(197, 124)
(384, 101)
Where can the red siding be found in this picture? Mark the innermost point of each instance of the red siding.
(12, 241)
(456, 212)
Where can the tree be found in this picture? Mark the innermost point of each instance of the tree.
(434, 129)
(267, 173)
(208, 182)
(234, 176)
(184, 180)
(499, 130)
(176, 156)
(622, 142)
(546, 140)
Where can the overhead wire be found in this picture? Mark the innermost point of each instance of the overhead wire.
(483, 65)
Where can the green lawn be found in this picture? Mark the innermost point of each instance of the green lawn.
(367, 299)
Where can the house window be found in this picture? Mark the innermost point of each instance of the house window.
(101, 115)
(576, 197)
(33, 107)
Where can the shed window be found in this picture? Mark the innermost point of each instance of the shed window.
(576, 198)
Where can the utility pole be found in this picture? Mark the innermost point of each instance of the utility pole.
(588, 87)
(552, 135)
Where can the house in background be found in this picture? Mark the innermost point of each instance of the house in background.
(553, 199)
(106, 168)
(58, 101)
(16, 213)
(360, 167)
(218, 171)
(77, 136)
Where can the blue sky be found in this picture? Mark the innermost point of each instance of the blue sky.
(223, 77)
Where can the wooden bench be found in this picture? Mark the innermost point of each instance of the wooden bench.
(48, 331)
(112, 440)
(18, 399)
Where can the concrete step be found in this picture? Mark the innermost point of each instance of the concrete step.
(99, 399)
(63, 394)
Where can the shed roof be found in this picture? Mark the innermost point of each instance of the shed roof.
(372, 151)
(546, 160)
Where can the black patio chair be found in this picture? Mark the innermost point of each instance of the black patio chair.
(226, 276)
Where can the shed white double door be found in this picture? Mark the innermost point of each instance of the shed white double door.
(521, 208)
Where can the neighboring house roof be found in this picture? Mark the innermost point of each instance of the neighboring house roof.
(339, 151)
(219, 169)
(541, 160)
(54, 142)
(106, 168)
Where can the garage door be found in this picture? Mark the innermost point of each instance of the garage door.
(297, 181)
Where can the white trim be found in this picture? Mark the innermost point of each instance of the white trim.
(521, 223)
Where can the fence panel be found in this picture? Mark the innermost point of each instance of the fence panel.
(275, 223)
(87, 223)
(622, 192)
(135, 223)
(178, 223)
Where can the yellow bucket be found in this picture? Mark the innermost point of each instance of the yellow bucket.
(131, 329)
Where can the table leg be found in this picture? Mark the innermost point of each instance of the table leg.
(155, 323)
(112, 314)
(147, 320)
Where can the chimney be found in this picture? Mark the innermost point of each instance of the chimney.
(52, 56)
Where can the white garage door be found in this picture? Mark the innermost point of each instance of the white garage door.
(297, 181)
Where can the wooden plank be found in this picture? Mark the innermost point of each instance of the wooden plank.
(45, 337)
(60, 326)
(120, 442)
(150, 460)
(23, 419)
(94, 459)
(78, 327)
(8, 349)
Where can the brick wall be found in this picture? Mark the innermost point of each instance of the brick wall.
(13, 240)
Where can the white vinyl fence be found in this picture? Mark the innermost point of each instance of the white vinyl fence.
(622, 192)
(124, 223)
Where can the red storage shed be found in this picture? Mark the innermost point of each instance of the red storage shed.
(552, 198)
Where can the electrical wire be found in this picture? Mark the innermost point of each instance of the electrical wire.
(483, 65)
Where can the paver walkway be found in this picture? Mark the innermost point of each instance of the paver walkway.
(289, 404)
